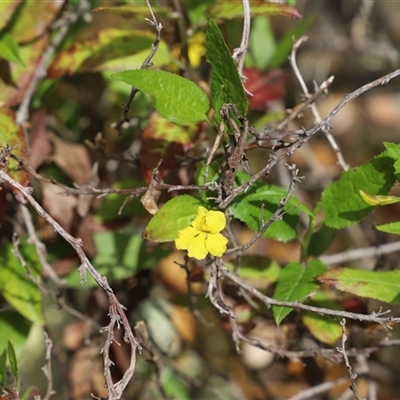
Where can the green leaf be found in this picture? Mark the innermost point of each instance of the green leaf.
(262, 43)
(320, 240)
(259, 271)
(176, 214)
(393, 150)
(9, 50)
(378, 200)
(12, 359)
(284, 46)
(13, 326)
(133, 9)
(16, 287)
(341, 201)
(248, 208)
(3, 368)
(178, 99)
(324, 327)
(120, 255)
(226, 84)
(234, 9)
(96, 52)
(392, 227)
(379, 285)
(295, 283)
(7, 10)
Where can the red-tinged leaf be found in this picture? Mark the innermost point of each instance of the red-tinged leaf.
(166, 141)
(7, 9)
(13, 136)
(91, 54)
(34, 19)
(265, 87)
(234, 9)
(133, 9)
(379, 285)
(14, 79)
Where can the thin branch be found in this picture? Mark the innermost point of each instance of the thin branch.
(146, 64)
(47, 367)
(314, 110)
(342, 351)
(116, 311)
(39, 247)
(67, 19)
(305, 135)
(268, 301)
(239, 54)
(318, 389)
(359, 254)
(276, 216)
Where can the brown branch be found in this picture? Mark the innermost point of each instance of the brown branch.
(67, 19)
(116, 311)
(342, 351)
(305, 136)
(146, 64)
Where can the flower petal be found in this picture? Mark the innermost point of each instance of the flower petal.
(215, 221)
(198, 222)
(182, 242)
(197, 247)
(216, 244)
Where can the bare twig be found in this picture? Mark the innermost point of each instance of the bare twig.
(39, 247)
(314, 109)
(146, 64)
(47, 368)
(268, 301)
(316, 390)
(359, 254)
(116, 312)
(342, 351)
(305, 135)
(276, 216)
(239, 54)
(67, 19)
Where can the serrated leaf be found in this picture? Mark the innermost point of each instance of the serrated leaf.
(16, 287)
(379, 285)
(226, 84)
(9, 49)
(176, 214)
(295, 283)
(393, 150)
(392, 227)
(248, 208)
(231, 10)
(178, 99)
(12, 359)
(341, 201)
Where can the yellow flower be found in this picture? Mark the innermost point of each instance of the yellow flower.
(203, 236)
